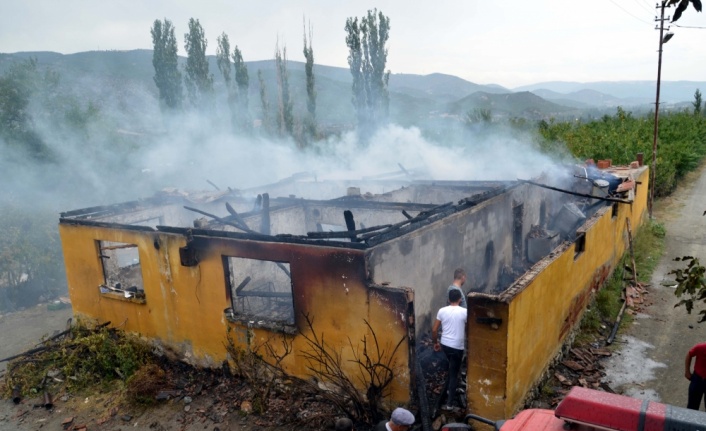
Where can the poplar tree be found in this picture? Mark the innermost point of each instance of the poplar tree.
(285, 119)
(223, 59)
(225, 66)
(264, 103)
(165, 61)
(367, 59)
(355, 63)
(310, 123)
(697, 102)
(243, 80)
(199, 83)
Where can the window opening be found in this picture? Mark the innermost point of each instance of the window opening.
(614, 213)
(260, 290)
(122, 271)
(580, 245)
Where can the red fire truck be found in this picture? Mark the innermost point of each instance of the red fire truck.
(590, 410)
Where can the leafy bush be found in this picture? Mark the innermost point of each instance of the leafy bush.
(84, 357)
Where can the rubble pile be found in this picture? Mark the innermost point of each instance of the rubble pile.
(582, 366)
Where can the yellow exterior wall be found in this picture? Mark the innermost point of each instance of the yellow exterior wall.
(544, 306)
(184, 305)
(487, 358)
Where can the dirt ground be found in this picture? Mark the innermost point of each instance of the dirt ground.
(650, 365)
(22, 330)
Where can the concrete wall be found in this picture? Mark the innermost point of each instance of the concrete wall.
(184, 305)
(541, 309)
(478, 239)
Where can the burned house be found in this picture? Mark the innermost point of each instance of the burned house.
(354, 262)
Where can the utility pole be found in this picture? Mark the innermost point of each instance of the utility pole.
(656, 130)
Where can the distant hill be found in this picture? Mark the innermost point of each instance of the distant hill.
(524, 104)
(438, 86)
(414, 99)
(632, 92)
(579, 99)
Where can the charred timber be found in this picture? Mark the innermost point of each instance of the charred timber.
(48, 403)
(279, 238)
(346, 234)
(482, 197)
(221, 220)
(214, 186)
(236, 216)
(242, 285)
(420, 217)
(583, 195)
(401, 230)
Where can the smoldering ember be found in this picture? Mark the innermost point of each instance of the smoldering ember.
(361, 267)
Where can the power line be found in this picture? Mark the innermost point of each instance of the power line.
(689, 26)
(624, 10)
(646, 8)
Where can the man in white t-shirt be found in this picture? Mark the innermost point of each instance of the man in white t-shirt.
(452, 320)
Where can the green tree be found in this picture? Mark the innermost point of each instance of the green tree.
(20, 84)
(30, 256)
(223, 58)
(264, 104)
(310, 123)
(165, 61)
(285, 119)
(355, 63)
(367, 60)
(199, 82)
(225, 66)
(697, 102)
(690, 283)
(243, 80)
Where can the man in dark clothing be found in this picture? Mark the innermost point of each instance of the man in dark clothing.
(459, 281)
(697, 387)
(452, 321)
(400, 420)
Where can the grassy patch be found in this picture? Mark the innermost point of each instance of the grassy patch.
(648, 243)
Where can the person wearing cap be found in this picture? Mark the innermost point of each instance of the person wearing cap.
(400, 420)
(344, 424)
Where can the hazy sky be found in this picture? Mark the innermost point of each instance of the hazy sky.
(509, 42)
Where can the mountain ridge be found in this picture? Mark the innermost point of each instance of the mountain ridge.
(421, 96)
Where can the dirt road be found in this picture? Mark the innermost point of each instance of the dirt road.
(650, 364)
(22, 330)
